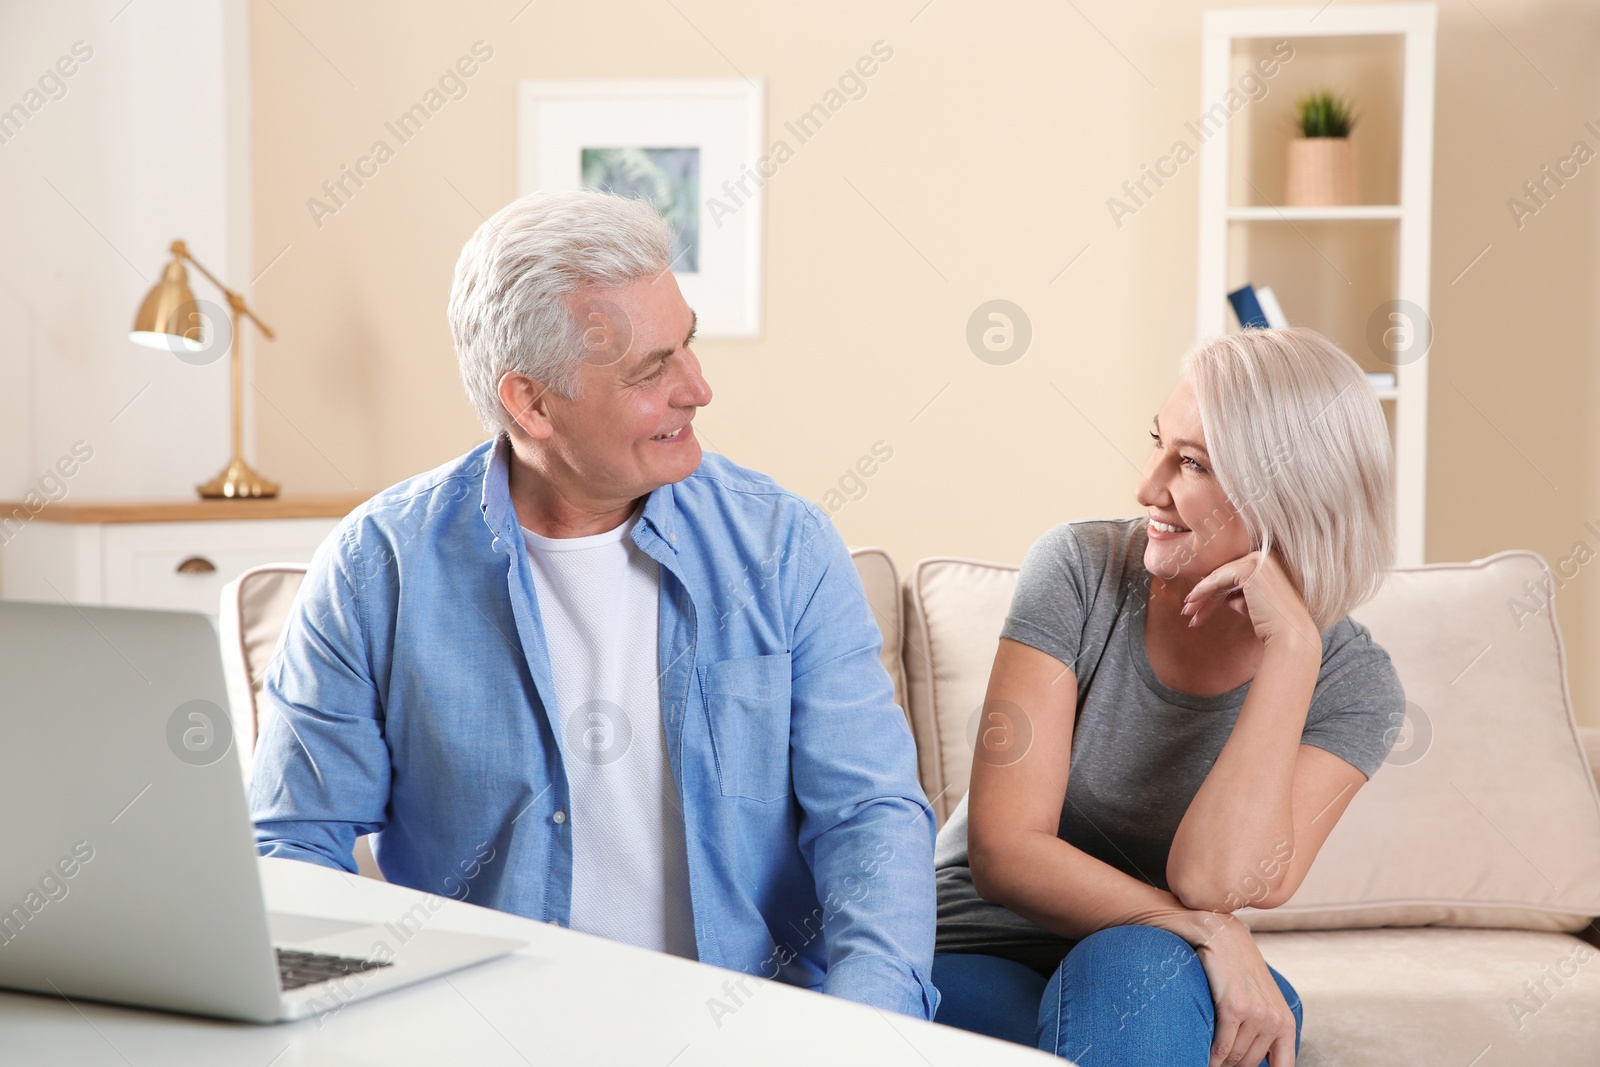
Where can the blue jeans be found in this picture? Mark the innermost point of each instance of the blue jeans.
(1125, 995)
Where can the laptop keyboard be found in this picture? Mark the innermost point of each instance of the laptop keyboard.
(297, 969)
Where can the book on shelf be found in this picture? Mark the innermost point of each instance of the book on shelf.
(1248, 308)
(1257, 309)
(1269, 307)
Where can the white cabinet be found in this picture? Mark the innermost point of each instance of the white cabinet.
(1383, 56)
(154, 556)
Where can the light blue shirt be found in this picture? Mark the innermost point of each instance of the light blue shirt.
(406, 699)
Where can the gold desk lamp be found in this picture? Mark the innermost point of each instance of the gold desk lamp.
(169, 319)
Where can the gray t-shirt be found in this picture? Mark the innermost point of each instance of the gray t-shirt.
(1140, 750)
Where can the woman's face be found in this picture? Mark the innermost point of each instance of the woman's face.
(1178, 489)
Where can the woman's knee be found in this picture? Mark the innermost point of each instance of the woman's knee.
(1292, 998)
(1133, 958)
(1129, 940)
(1122, 977)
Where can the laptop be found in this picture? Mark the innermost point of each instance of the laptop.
(128, 872)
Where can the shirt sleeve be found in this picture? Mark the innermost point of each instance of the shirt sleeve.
(322, 769)
(1359, 705)
(867, 829)
(1050, 602)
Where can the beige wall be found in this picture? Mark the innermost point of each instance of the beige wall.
(990, 142)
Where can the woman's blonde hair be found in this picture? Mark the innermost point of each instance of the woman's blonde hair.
(1299, 443)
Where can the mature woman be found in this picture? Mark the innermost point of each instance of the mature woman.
(1179, 712)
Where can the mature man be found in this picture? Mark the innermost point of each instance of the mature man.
(589, 675)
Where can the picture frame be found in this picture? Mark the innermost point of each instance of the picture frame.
(691, 147)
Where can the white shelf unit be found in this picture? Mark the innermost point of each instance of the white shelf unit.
(1411, 219)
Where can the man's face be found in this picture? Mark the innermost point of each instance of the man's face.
(628, 431)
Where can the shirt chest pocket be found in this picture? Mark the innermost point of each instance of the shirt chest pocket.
(747, 709)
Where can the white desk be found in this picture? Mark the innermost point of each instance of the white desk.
(567, 998)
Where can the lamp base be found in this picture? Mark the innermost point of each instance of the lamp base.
(238, 481)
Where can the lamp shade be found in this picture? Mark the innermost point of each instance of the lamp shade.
(168, 316)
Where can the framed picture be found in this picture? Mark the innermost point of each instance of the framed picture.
(689, 147)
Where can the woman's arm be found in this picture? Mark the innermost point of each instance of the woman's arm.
(1269, 802)
(1019, 782)
(1014, 811)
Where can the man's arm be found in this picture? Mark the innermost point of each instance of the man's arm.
(867, 830)
(321, 776)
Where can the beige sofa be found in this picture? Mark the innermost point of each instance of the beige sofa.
(1438, 925)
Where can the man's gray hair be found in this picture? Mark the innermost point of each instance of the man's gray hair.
(508, 304)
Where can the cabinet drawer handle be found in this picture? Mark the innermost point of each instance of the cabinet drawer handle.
(197, 565)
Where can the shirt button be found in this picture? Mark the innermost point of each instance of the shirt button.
(560, 817)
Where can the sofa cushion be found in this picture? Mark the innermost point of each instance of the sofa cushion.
(253, 611)
(1485, 813)
(1379, 997)
(880, 580)
(954, 608)
(1590, 736)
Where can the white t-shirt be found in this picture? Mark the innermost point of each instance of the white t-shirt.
(599, 599)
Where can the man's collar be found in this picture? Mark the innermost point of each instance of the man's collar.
(660, 508)
(661, 512)
(498, 514)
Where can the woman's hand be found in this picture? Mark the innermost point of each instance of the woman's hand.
(1263, 594)
(1253, 1019)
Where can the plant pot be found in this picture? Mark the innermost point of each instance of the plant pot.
(1321, 172)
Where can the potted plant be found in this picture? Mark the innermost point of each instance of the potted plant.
(1322, 158)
